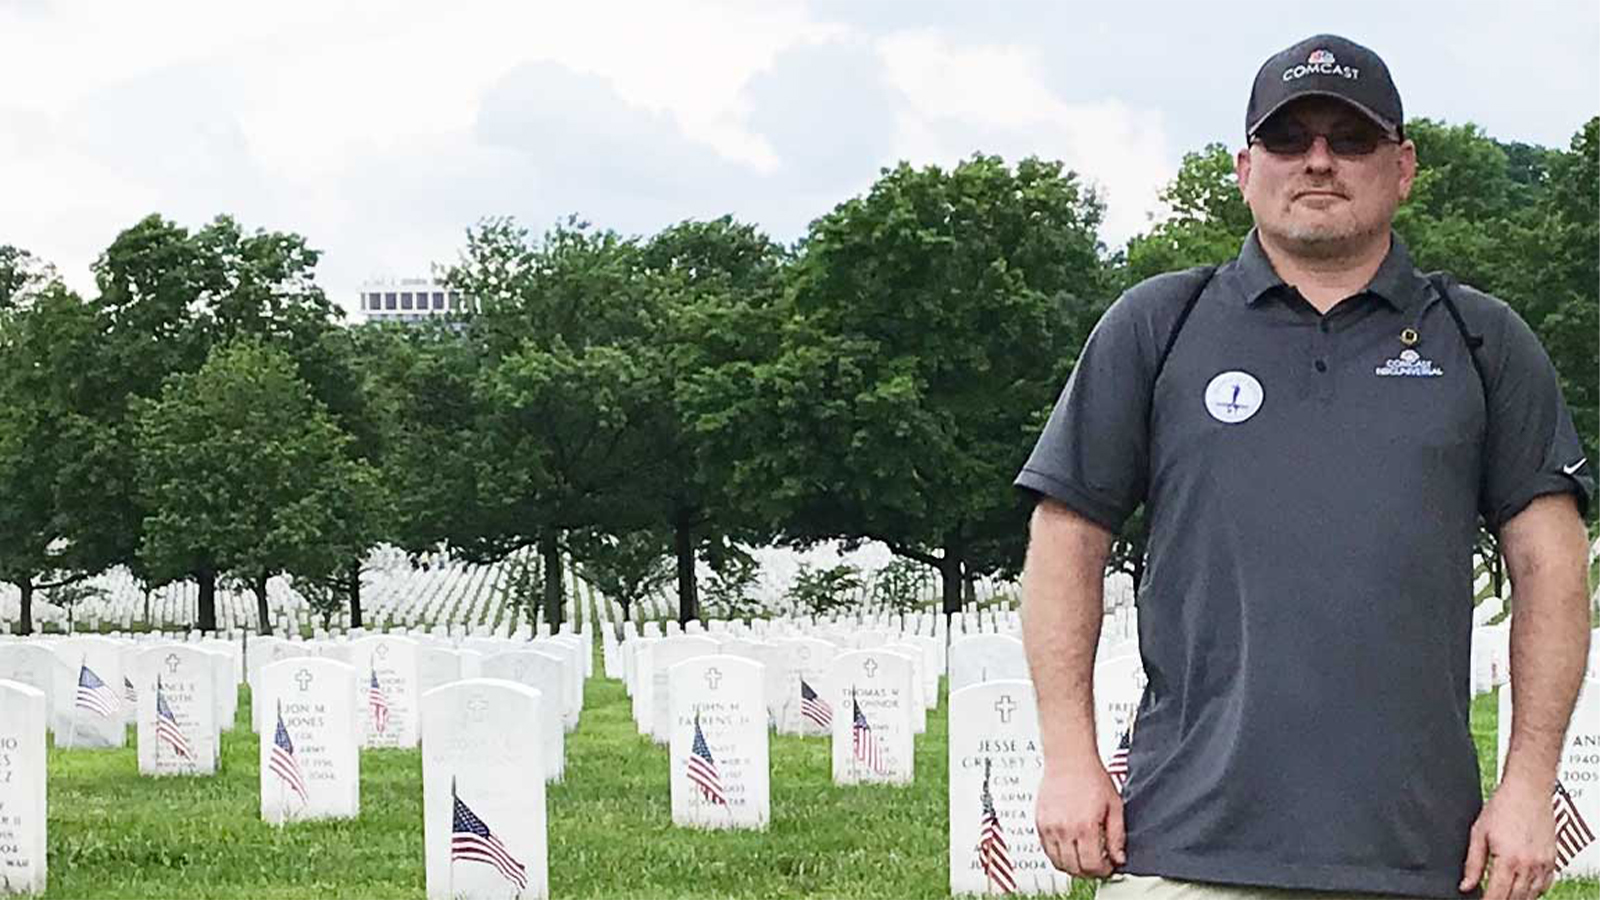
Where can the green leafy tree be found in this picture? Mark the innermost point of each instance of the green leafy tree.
(819, 592)
(898, 585)
(624, 568)
(566, 396)
(247, 473)
(929, 325)
(732, 586)
(167, 296)
(1207, 219)
(53, 461)
(720, 281)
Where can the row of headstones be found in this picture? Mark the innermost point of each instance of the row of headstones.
(719, 752)
(92, 686)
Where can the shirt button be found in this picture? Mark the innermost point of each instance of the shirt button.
(1322, 366)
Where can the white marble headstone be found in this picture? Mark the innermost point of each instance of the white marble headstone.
(728, 785)
(98, 715)
(1118, 686)
(547, 675)
(995, 751)
(391, 707)
(986, 657)
(481, 750)
(36, 665)
(319, 775)
(812, 657)
(22, 789)
(878, 684)
(180, 679)
(1579, 769)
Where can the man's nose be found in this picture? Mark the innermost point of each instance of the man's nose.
(1318, 157)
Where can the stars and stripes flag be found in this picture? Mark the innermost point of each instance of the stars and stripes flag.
(282, 761)
(378, 703)
(1117, 766)
(471, 840)
(93, 694)
(167, 725)
(993, 854)
(814, 707)
(128, 692)
(703, 769)
(1572, 832)
(863, 741)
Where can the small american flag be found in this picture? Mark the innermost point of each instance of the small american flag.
(471, 840)
(283, 763)
(128, 693)
(1572, 832)
(993, 854)
(378, 702)
(1117, 766)
(815, 708)
(703, 769)
(863, 741)
(167, 725)
(93, 694)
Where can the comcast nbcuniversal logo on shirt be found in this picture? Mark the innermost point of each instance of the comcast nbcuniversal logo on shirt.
(1321, 62)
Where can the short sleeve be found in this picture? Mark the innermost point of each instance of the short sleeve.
(1093, 454)
(1530, 447)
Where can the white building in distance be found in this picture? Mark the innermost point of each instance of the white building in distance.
(407, 300)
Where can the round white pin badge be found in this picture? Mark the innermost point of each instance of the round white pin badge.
(1233, 397)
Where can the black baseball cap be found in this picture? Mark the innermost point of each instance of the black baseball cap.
(1326, 66)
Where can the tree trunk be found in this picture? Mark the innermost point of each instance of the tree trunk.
(353, 588)
(259, 585)
(550, 556)
(25, 624)
(951, 571)
(688, 587)
(206, 577)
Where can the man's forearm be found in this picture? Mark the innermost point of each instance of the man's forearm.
(1547, 553)
(1062, 606)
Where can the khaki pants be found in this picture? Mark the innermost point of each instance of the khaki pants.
(1154, 887)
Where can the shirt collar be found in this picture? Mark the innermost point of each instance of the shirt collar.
(1396, 282)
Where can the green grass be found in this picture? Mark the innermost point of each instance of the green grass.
(115, 834)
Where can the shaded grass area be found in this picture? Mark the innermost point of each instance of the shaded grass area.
(115, 834)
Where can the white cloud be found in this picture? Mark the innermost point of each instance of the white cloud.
(995, 99)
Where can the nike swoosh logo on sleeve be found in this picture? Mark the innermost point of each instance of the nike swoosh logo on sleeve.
(1573, 469)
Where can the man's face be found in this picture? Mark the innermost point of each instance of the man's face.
(1319, 203)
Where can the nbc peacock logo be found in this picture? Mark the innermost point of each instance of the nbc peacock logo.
(1320, 57)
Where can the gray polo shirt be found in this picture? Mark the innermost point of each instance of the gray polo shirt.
(1313, 492)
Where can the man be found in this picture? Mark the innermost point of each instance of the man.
(1314, 441)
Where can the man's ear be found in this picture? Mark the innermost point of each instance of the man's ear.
(1241, 168)
(1408, 167)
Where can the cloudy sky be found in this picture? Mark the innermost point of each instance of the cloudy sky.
(382, 130)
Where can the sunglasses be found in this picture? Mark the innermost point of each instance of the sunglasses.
(1289, 139)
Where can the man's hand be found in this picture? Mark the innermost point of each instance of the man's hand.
(1079, 818)
(1517, 829)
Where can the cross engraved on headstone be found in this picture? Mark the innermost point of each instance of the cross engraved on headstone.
(477, 708)
(382, 651)
(713, 678)
(172, 663)
(1005, 706)
(870, 667)
(304, 679)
